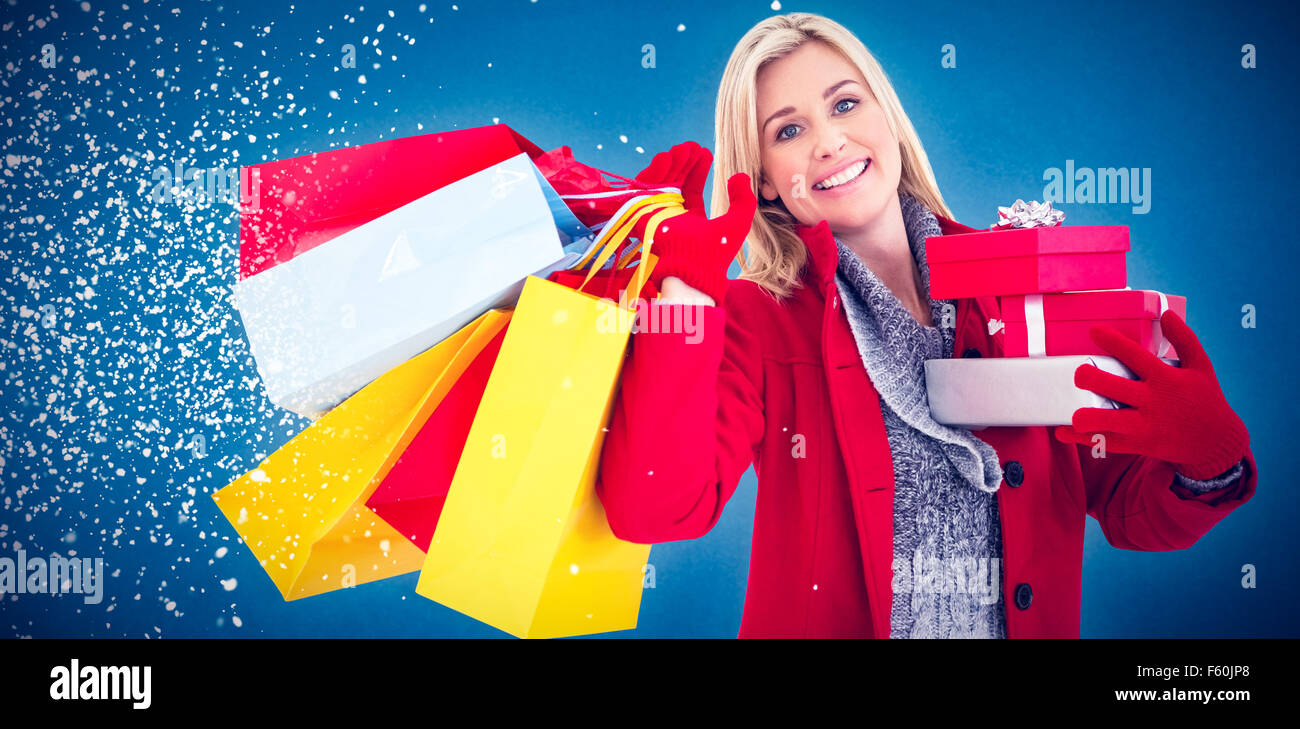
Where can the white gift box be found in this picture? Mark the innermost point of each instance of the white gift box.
(326, 323)
(1013, 391)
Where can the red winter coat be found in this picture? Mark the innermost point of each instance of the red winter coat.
(767, 378)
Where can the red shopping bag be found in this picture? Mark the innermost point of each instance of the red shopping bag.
(305, 201)
(603, 284)
(592, 198)
(411, 496)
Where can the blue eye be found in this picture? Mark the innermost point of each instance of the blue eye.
(781, 135)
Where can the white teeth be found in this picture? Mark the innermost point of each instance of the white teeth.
(843, 177)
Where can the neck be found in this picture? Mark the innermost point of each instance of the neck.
(883, 246)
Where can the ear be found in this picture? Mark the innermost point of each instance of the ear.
(767, 190)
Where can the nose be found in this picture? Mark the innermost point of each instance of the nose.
(830, 140)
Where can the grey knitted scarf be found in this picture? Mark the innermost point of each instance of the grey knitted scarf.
(894, 347)
(947, 544)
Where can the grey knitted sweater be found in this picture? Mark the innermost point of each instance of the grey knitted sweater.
(947, 543)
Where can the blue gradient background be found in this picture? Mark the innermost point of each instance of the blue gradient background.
(1107, 84)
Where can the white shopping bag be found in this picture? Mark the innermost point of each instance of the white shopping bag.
(326, 323)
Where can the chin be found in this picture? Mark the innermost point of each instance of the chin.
(860, 217)
(869, 205)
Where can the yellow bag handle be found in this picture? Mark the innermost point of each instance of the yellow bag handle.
(631, 252)
(659, 207)
(648, 260)
(619, 228)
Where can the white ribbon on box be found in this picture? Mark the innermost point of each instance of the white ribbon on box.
(1036, 324)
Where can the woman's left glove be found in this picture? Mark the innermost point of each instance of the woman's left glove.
(1178, 414)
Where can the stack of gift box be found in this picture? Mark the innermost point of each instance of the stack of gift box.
(1053, 284)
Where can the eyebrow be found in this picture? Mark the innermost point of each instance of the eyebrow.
(790, 109)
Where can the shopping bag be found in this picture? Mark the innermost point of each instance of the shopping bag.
(323, 324)
(412, 493)
(609, 283)
(302, 510)
(305, 201)
(522, 542)
(594, 199)
(411, 496)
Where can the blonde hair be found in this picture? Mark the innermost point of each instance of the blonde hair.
(776, 253)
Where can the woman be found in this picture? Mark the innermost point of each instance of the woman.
(873, 520)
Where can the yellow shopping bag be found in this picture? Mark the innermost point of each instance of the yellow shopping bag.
(302, 511)
(522, 543)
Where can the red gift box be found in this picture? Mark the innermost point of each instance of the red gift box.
(1057, 324)
(1027, 261)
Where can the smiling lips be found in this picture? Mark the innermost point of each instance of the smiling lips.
(848, 174)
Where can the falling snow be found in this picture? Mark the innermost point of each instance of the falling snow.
(129, 388)
(131, 394)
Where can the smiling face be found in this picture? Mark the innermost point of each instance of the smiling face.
(819, 125)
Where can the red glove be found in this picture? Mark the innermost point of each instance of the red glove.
(685, 166)
(690, 246)
(699, 250)
(1178, 414)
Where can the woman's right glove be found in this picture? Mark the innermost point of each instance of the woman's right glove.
(690, 246)
(685, 166)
